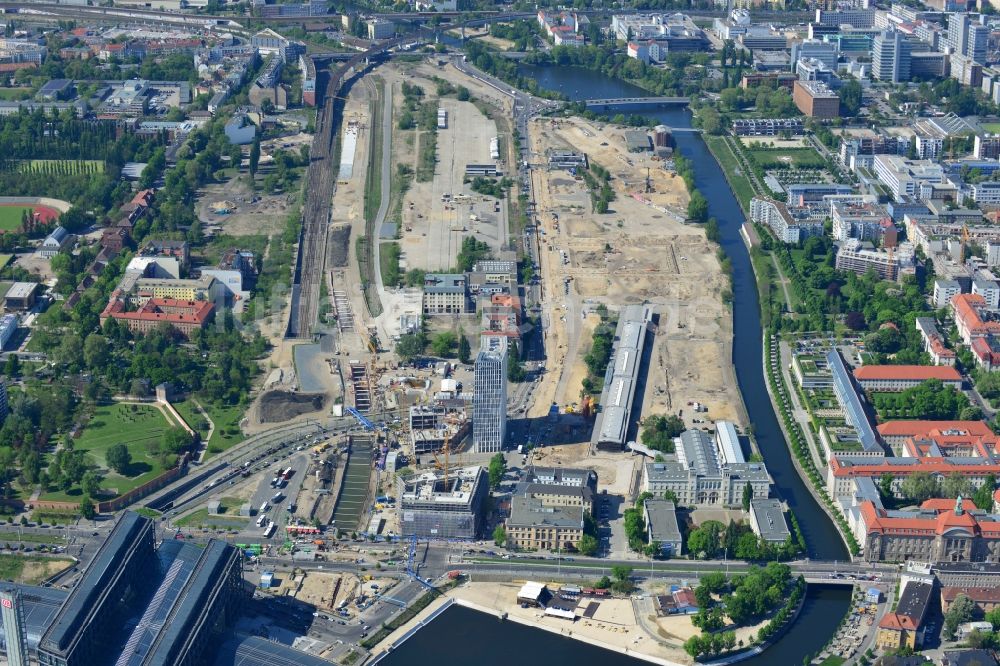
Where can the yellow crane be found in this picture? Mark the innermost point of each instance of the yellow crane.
(446, 449)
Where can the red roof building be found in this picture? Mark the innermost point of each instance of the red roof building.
(940, 531)
(902, 377)
(904, 627)
(183, 316)
(971, 318)
(942, 439)
(985, 598)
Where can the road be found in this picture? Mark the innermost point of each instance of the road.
(386, 184)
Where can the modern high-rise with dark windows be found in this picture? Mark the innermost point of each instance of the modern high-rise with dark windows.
(489, 402)
(138, 605)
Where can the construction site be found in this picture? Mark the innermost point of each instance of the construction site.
(640, 252)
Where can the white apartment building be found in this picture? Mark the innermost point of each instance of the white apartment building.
(944, 291)
(775, 215)
(989, 290)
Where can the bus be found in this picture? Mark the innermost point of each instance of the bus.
(260, 520)
(264, 507)
(287, 474)
(269, 530)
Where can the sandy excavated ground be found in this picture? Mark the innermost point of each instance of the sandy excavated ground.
(614, 624)
(640, 251)
(35, 571)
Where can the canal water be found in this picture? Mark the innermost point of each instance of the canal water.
(825, 605)
(461, 635)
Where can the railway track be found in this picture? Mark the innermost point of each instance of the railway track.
(320, 185)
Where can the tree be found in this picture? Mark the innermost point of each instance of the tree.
(855, 321)
(464, 349)
(587, 546)
(850, 98)
(96, 351)
(500, 535)
(959, 612)
(697, 210)
(956, 485)
(254, 157)
(983, 497)
(12, 368)
(919, 487)
(411, 345)
(704, 541)
(118, 458)
(747, 496)
(87, 509)
(993, 617)
(515, 369)
(658, 432)
(622, 579)
(444, 344)
(91, 483)
(176, 440)
(885, 485)
(498, 467)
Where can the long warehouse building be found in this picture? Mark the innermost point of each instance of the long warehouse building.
(614, 419)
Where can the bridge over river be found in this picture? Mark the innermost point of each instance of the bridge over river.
(613, 103)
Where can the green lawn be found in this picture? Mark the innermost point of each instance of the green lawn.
(992, 128)
(70, 167)
(799, 158)
(31, 569)
(229, 518)
(15, 94)
(832, 660)
(10, 216)
(741, 185)
(226, 420)
(135, 426)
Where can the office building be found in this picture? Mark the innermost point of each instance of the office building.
(534, 525)
(895, 378)
(856, 18)
(977, 43)
(445, 294)
(863, 220)
(891, 57)
(445, 504)
(946, 530)
(860, 257)
(905, 177)
(696, 475)
(986, 147)
(815, 49)
(15, 636)
(28, 616)
(381, 29)
(185, 317)
(767, 519)
(151, 606)
(660, 516)
(958, 32)
(489, 402)
(816, 99)
(852, 405)
(904, 627)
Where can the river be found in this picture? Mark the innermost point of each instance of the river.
(824, 606)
